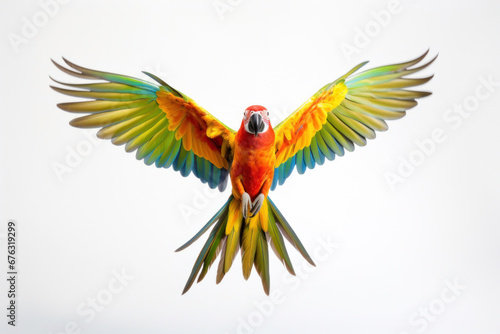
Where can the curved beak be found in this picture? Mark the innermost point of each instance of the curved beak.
(256, 124)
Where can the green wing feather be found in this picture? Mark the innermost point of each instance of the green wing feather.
(127, 111)
(373, 97)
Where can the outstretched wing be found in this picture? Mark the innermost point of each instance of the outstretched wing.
(343, 113)
(166, 127)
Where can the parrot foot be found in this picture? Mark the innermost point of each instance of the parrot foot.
(246, 204)
(248, 208)
(257, 204)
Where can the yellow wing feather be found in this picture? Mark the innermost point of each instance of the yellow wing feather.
(345, 113)
(296, 131)
(165, 126)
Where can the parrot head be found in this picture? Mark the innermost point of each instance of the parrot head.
(256, 120)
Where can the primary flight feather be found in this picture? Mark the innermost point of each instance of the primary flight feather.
(168, 129)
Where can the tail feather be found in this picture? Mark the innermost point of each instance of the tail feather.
(207, 226)
(288, 232)
(220, 268)
(249, 246)
(262, 261)
(278, 244)
(232, 232)
(199, 261)
(214, 250)
(232, 246)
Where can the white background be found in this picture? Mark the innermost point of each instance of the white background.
(395, 248)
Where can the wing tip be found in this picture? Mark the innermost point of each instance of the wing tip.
(74, 122)
(63, 106)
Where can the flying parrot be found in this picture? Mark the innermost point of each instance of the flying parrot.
(167, 128)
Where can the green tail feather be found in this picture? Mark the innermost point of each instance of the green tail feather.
(277, 244)
(248, 248)
(253, 242)
(207, 226)
(288, 232)
(262, 261)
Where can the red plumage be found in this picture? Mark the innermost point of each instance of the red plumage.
(253, 162)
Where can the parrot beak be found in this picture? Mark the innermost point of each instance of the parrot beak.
(256, 124)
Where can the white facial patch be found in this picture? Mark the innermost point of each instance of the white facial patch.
(248, 115)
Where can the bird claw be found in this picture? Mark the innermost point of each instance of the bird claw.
(257, 204)
(248, 208)
(246, 203)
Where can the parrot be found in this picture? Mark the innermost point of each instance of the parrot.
(169, 129)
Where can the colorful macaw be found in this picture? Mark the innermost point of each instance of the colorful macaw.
(169, 129)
